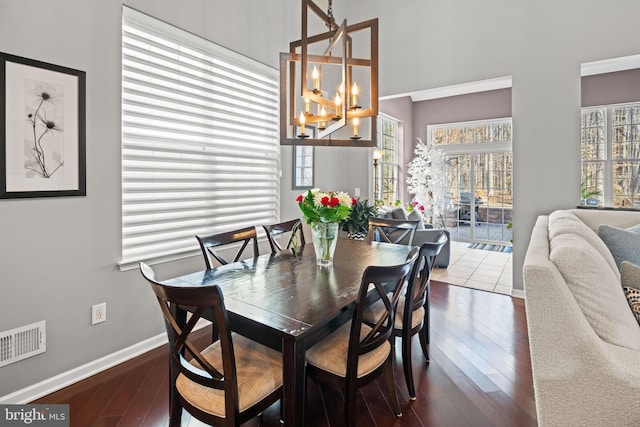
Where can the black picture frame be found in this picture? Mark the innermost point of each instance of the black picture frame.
(43, 133)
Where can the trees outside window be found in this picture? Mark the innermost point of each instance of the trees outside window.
(610, 156)
(387, 176)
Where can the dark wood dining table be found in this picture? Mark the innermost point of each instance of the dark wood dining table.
(285, 300)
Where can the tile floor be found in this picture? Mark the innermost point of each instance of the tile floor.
(477, 269)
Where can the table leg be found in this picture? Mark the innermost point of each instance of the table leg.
(294, 387)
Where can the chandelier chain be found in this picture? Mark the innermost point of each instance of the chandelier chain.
(330, 14)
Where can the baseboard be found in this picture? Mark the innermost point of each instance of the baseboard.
(60, 381)
(48, 386)
(517, 293)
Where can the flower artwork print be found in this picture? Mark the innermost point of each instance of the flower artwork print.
(44, 129)
(44, 137)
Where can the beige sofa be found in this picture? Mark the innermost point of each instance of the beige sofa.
(585, 345)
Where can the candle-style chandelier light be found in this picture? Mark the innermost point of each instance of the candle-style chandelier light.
(329, 83)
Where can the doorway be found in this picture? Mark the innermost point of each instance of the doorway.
(479, 168)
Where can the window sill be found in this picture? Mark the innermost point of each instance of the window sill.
(607, 208)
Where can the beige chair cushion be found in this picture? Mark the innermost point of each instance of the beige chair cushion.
(330, 354)
(372, 313)
(259, 371)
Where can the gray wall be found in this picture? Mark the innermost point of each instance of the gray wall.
(541, 45)
(59, 255)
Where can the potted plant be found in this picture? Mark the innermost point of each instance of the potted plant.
(357, 223)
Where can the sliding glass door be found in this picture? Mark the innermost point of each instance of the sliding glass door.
(479, 168)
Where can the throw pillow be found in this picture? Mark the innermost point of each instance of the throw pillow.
(623, 244)
(635, 228)
(633, 298)
(399, 213)
(414, 215)
(630, 275)
(596, 290)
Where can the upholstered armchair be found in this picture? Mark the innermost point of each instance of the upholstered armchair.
(424, 233)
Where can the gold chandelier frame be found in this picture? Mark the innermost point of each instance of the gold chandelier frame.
(341, 111)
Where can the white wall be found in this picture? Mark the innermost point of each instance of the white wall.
(59, 255)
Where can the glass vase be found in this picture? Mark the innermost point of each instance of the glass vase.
(325, 237)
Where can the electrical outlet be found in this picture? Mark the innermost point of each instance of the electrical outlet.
(98, 313)
(356, 193)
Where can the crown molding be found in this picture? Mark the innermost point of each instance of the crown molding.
(610, 65)
(459, 89)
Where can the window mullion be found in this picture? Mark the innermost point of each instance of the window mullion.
(608, 155)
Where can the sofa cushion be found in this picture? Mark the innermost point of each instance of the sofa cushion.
(562, 215)
(565, 222)
(623, 243)
(596, 290)
(633, 298)
(630, 275)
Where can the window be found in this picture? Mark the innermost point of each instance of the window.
(200, 152)
(610, 154)
(385, 185)
(303, 167)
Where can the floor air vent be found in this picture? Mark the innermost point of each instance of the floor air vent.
(23, 342)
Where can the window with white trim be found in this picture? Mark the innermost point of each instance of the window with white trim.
(386, 189)
(200, 150)
(610, 155)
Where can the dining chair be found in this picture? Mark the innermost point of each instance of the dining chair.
(356, 353)
(225, 382)
(392, 230)
(275, 231)
(211, 243)
(413, 312)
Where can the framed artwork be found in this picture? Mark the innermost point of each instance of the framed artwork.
(303, 164)
(42, 108)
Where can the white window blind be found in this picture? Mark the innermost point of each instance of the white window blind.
(200, 149)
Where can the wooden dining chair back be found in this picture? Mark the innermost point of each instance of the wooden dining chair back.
(291, 230)
(399, 231)
(413, 312)
(211, 245)
(357, 353)
(225, 382)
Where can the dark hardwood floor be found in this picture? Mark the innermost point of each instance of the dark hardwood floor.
(479, 375)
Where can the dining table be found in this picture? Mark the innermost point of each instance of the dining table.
(288, 302)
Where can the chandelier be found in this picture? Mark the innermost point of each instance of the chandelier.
(329, 83)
